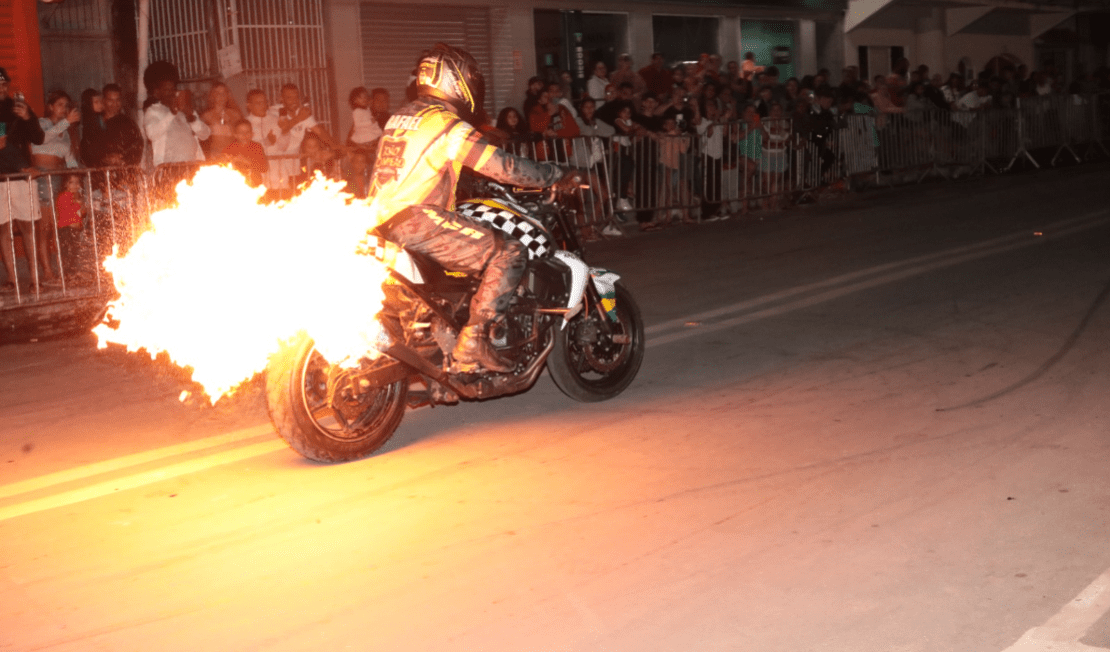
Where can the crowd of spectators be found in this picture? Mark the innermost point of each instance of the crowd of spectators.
(708, 107)
(750, 105)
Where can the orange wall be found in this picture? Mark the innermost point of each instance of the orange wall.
(20, 54)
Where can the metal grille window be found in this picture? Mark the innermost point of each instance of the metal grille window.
(276, 41)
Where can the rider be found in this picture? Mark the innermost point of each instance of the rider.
(425, 145)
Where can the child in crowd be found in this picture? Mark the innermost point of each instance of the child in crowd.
(674, 193)
(247, 155)
(357, 173)
(316, 156)
(71, 211)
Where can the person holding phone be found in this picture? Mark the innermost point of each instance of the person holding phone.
(19, 129)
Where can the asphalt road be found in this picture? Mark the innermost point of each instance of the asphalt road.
(876, 423)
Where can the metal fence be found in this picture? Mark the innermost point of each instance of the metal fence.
(57, 227)
(51, 257)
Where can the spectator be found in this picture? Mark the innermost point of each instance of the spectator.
(657, 79)
(614, 104)
(674, 190)
(54, 153)
(791, 89)
(711, 129)
(934, 93)
(626, 131)
(365, 130)
(169, 119)
(678, 75)
(953, 90)
(566, 88)
(71, 210)
(713, 70)
(773, 164)
(971, 103)
(294, 121)
(748, 140)
(21, 130)
(90, 149)
(123, 137)
(625, 74)
(709, 95)
(379, 106)
(264, 129)
(595, 86)
(514, 130)
(317, 156)
(880, 97)
(552, 120)
(532, 94)
(589, 149)
(916, 102)
(559, 96)
(357, 173)
(849, 80)
(221, 116)
(650, 115)
(247, 155)
(763, 102)
(748, 69)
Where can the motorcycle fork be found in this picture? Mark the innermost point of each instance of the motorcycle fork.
(593, 300)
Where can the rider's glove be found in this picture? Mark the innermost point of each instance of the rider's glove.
(572, 180)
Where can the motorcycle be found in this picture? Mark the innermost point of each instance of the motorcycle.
(579, 322)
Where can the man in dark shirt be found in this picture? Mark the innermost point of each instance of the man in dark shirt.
(657, 77)
(124, 140)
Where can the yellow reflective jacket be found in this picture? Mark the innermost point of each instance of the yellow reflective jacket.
(422, 151)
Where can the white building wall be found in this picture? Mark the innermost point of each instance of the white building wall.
(921, 46)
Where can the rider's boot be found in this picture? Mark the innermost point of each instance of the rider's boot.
(491, 301)
(473, 350)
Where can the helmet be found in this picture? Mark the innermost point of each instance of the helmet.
(451, 74)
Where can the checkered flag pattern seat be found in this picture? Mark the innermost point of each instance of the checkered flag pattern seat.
(511, 223)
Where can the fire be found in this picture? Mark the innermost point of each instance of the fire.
(219, 280)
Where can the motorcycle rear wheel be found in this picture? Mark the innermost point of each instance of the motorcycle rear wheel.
(588, 366)
(346, 426)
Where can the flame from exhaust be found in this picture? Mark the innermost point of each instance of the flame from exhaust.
(220, 281)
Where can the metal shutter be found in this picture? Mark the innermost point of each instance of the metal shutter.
(393, 36)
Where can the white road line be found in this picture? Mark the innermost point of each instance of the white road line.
(1062, 632)
(139, 479)
(871, 277)
(88, 470)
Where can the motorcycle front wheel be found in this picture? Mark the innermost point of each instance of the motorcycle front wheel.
(323, 411)
(588, 365)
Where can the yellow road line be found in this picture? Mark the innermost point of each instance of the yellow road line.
(96, 468)
(139, 479)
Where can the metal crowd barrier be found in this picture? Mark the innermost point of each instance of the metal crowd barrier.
(719, 169)
(57, 227)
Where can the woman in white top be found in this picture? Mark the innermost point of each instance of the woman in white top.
(595, 85)
(55, 153)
